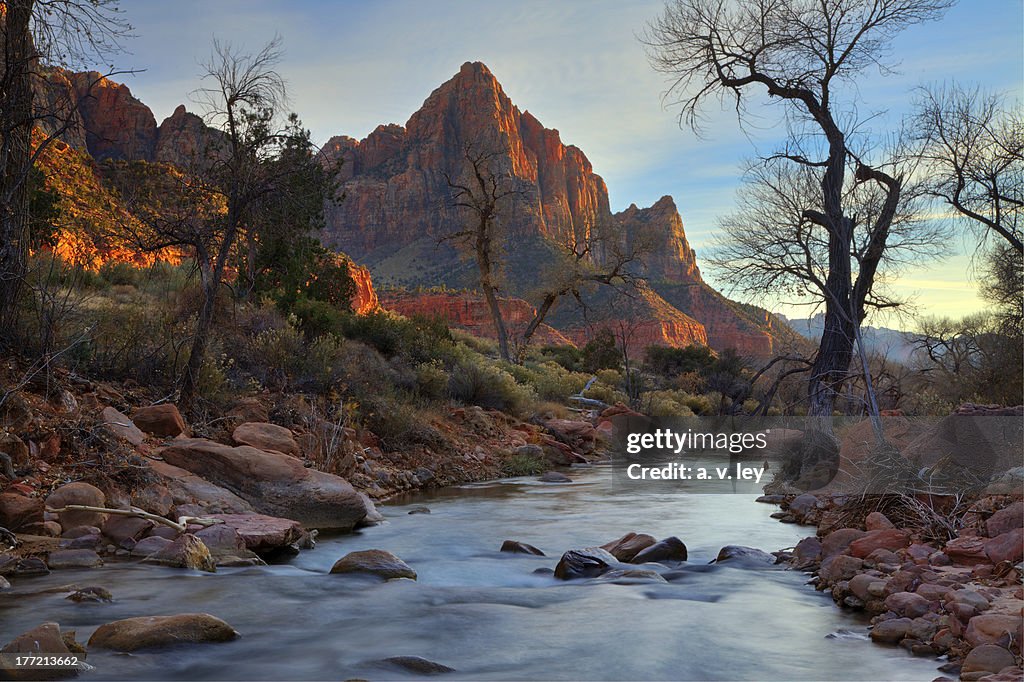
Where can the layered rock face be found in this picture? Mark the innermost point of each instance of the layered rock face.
(470, 312)
(365, 299)
(398, 201)
(396, 190)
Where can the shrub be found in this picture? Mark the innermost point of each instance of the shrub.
(601, 352)
(666, 404)
(476, 383)
(120, 273)
(317, 318)
(569, 357)
(431, 380)
(524, 464)
(418, 338)
(672, 362)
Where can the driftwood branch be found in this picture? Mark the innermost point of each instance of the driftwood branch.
(179, 526)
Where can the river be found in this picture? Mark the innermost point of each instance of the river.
(486, 614)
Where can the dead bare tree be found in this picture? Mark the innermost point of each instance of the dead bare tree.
(972, 153)
(36, 35)
(797, 52)
(483, 195)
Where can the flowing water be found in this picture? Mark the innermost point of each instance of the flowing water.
(487, 614)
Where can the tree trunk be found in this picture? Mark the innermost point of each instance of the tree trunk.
(483, 259)
(15, 158)
(190, 379)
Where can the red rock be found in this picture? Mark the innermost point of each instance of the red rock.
(469, 312)
(877, 521)
(120, 426)
(909, 604)
(184, 140)
(78, 493)
(966, 551)
(160, 420)
(273, 483)
(260, 533)
(263, 436)
(117, 125)
(891, 539)
(1006, 519)
(988, 658)
(392, 180)
(837, 541)
(988, 628)
(18, 510)
(365, 299)
(1006, 547)
(840, 567)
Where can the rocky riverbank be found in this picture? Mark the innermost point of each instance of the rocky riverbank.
(957, 598)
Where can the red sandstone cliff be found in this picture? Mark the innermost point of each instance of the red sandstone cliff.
(394, 180)
(397, 201)
(469, 311)
(365, 299)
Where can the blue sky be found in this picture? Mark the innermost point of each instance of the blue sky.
(576, 65)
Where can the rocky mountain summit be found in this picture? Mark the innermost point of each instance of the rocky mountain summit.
(397, 204)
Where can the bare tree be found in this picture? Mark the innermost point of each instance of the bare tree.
(593, 255)
(483, 195)
(972, 152)
(799, 53)
(222, 197)
(36, 35)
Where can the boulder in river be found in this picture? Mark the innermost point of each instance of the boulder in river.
(554, 477)
(273, 483)
(516, 547)
(584, 563)
(258, 533)
(43, 639)
(187, 551)
(629, 545)
(146, 632)
(741, 554)
(376, 562)
(669, 550)
(73, 558)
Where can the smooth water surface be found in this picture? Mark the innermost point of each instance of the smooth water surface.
(487, 614)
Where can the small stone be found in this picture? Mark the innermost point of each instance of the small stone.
(92, 593)
(891, 631)
(417, 665)
(516, 547)
(120, 426)
(554, 477)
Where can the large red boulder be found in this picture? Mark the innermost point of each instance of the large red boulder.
(273, 483)
(160, 420)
